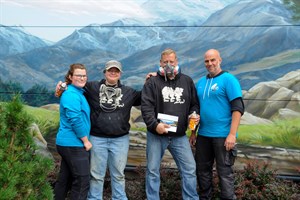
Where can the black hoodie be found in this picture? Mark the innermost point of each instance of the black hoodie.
(110, 108)
(176, 97)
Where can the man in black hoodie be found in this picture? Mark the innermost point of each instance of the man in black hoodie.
(168, 100)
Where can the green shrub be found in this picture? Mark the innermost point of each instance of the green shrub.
(23, 173)
(258, 181)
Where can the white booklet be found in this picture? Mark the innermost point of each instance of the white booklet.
(170, 120)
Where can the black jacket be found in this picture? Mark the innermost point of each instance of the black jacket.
(110, 108)
(176, 97)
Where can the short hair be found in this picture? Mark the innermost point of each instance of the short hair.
(71, 71)
(168, 51)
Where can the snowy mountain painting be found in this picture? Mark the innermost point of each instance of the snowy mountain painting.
(259, 42)
(244, 31)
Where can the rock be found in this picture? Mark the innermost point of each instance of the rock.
(40, 141)
(42, 149)
(35, 132)
(249, 119)
(134, 115)
(137, 139)
(137, 151)
(265, 99)
(290, 80)
(255, 98)
(294, 103)
(278, 100)
(286, 113)
(140, 125)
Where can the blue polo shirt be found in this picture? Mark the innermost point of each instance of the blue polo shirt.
(214, 95)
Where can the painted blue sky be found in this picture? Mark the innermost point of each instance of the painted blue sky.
(39, 17)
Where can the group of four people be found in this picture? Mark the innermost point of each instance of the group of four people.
(217, 98)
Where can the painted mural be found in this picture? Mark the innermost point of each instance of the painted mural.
(259, 42)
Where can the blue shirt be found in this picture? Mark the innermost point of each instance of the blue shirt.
(214, 95)
(74, 118)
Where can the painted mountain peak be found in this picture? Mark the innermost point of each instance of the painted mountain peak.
(247, 33)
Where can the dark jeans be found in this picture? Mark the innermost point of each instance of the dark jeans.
(207, 150)
(74, 172)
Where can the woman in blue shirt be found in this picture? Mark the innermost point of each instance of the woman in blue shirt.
(72, 140)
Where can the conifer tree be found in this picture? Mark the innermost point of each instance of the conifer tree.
(23, 173)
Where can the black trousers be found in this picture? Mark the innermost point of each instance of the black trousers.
(208, 150)
(74, 173)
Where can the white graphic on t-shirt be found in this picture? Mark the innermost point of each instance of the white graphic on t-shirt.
(110, 98)
(214, 87)
(171, 95)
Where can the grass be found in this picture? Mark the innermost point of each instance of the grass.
(282, 133)
(47, 120)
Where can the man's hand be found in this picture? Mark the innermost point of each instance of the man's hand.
(87, 145)
(150, 74)
(59, 92)
(162, 128)
(230, 142)
(196, 117)
(57, 89)
(193, 138)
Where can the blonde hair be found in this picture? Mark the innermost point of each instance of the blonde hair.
(168, 51)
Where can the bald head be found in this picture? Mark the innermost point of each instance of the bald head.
(213, 52)
(212, 61)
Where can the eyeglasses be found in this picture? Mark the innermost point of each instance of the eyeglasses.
(80, 76)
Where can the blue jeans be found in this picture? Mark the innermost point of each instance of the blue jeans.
(112, 152)
(181, 151)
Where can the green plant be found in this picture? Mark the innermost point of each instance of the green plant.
(170, 183)
(22, 171)
(258, 181)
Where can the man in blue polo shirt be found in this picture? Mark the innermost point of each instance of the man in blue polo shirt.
(221, 108)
